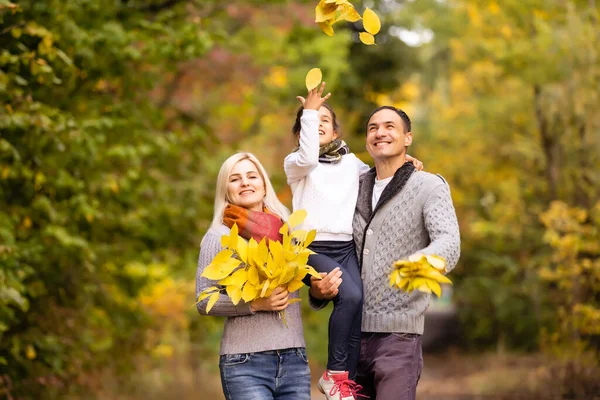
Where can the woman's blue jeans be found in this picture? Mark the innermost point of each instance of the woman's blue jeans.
(266, 375)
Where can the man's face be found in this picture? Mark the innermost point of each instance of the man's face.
(386, 136)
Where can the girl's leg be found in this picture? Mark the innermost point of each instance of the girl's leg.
(248, 376)
(352, 272)
(347, 304)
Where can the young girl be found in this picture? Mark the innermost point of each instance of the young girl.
(324, 177)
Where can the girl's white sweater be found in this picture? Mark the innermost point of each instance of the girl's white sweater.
(328, 192)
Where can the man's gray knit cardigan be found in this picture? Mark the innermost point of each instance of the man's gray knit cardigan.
(414, 214)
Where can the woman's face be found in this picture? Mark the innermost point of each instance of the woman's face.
(245, 186)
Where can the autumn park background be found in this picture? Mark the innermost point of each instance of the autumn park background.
(116, 115)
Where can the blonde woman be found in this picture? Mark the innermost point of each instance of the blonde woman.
(260, 358)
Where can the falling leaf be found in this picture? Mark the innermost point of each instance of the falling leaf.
(371, 22)
(366, 38)
(327, 28)
(313, 79)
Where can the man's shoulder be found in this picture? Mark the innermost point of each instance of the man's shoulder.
(369, 175)
(430, 180)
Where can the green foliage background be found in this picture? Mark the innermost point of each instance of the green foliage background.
(116, 116)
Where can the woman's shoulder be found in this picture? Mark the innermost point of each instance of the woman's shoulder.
(213, 234)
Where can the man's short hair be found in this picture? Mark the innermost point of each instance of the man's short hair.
(401, 113)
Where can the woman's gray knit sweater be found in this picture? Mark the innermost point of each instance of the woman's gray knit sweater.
(245, 331)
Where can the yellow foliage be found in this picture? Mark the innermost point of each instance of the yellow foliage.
(250, 270)
(494, 8)
(277, 77)
(474, 16)
(420, 272)
(30, 352)
(328, 12)
(163, 351)
(167, 301)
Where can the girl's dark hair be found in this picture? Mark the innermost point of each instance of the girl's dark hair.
(296, 127)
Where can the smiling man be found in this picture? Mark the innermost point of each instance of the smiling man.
(399, 212)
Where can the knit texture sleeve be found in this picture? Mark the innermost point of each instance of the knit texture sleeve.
(362, 167)
(442, 226)
(300, 163)
(211, 245)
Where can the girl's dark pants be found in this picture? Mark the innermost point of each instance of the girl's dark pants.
(346, 317)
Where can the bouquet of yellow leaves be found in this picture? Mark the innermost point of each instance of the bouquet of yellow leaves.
(248, 270)
(420, 272)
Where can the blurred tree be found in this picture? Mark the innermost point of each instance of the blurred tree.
(99, 200)
(512, 120)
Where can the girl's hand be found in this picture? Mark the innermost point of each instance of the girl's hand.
(277, 301)
(418, 164)
(313, 100)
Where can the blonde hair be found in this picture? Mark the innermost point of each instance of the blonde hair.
(271, 201)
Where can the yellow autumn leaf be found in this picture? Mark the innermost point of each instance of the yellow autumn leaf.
(219, 271)
(204, 294)
(416, 257)
(326, 28)
(313, 79)
(265, 288)
(310, 237)
(371, 22)
(212, 300)
(284, 229)
(366, 38)
(313, 272)
(424, 288)
(276, 249)
(241, 248)
(301, 273)
(435, 288)
(348, 13)
(296, 218)
(436, 261)
(253, 277)
(295, 299)
(250, 292)
(238, 278)
(234, 293)
(302, 258)
(323, 10)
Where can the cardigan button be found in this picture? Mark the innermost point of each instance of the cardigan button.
(366, 252)
(369, 231)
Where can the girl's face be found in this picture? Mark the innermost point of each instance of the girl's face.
(245, 186)
(327, 134)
